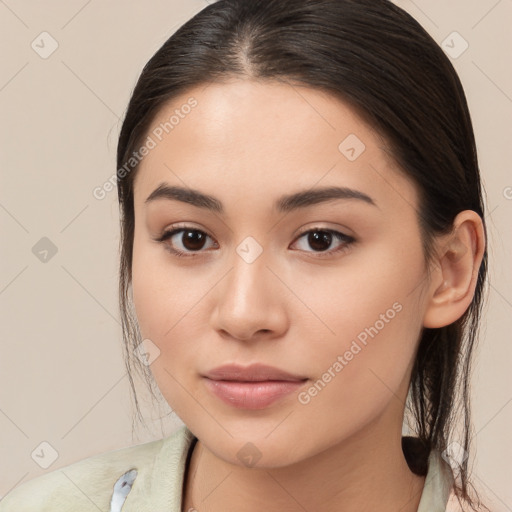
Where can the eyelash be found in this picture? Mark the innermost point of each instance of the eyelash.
(348, 241)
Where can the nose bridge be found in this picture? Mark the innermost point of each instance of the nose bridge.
(248, 280)
(248, 300)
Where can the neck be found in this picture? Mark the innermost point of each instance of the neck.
(366, 472)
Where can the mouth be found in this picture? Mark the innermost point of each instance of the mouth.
(253, 387)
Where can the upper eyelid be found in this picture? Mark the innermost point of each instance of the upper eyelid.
(176, 229)
(323, 228)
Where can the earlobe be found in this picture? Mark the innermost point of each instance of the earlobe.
(455, 272)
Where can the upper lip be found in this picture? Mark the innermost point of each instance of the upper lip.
(252, 373)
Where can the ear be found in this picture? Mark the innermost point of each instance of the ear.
(455, 272)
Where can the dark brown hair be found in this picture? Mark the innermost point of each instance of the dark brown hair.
(378, 59)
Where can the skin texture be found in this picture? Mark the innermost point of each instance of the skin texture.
(294, 307)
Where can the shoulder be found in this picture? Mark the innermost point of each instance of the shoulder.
(88, 484)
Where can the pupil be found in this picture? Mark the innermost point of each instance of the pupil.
(193, 240)
(320, 242)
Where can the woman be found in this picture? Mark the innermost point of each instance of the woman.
(303, 245)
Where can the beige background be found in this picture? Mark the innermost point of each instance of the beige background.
(62, 379)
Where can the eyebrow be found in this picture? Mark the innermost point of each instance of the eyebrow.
(284, 204)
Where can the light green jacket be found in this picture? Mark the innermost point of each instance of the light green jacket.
(88, 485)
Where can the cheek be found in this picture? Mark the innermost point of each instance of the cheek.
(162, 293)
(365, 290)
(369, 318)
(168, 302)
(164, 304)
(362, 374)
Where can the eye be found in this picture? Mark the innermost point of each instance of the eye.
(190, 242)
(321, 239)
(185, 241)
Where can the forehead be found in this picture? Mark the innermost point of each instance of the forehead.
(253, 137)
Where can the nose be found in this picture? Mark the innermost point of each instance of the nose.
(250, 302)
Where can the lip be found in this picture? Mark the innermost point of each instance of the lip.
(256, 372)
(252, 387)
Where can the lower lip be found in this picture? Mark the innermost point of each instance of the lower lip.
(252, 395)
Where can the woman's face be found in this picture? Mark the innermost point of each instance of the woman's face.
(264, 277)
